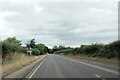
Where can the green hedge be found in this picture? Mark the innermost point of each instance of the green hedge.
(110, 50)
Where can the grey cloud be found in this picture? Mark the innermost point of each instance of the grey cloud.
(63, 23)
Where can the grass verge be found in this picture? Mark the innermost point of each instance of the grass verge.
(113, 62)
(18, 61)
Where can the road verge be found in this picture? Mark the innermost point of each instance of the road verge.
(22, 72)
(111, 62)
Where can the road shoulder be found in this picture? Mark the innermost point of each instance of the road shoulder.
(22, 72)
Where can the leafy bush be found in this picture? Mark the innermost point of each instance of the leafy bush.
(42, 48)
(23, 49)
(95, 50)
(35, 52)
(11, 45)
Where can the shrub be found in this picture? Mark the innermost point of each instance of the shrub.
(35, 52)
(42, 48)
(10, 45)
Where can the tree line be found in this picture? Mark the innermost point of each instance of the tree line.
(37, 49)
(11, 46)
(110, 50)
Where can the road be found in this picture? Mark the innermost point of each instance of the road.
(55, 66)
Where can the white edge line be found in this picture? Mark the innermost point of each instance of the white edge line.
(95, 62)
(104, 69)
(36, 68)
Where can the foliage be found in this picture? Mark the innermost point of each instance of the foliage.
(35, 52)
(64, 51)
(42, 48)
(61, 47)
(31, 44)
(11, 45)
(110, 50)
(23, 49)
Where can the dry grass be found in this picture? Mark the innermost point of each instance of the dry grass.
(17, 61)
(113, 62)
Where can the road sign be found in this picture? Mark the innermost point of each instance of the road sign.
(29, 51)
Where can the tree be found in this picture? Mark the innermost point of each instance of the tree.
(42, 48)
(10, 45)
(31, 44)
(61, 47)
(55, 48)
(35, 52)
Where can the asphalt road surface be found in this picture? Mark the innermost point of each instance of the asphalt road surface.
(55, 66)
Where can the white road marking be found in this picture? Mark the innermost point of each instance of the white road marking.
(97, 76)
(36, 69)
(21, 76)
(115, 72)
(96, 62)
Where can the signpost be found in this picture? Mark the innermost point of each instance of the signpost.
(30, 52)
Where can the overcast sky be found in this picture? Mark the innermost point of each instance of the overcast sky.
(63, 23)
